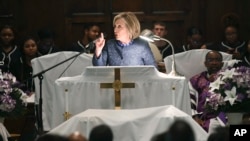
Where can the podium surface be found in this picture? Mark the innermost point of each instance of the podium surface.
(152, 88)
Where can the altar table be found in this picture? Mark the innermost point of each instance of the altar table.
(129, 124)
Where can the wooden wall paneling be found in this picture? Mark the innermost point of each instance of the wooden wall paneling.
(68, 31)
(74, 25)
(5, 7)
(129, 5)
(35, 15)
(215, 11)
(6, 19)
(243, 11)
(81, 12)
(195, 15)
(169, 5)
(83, 6)
(6, 12)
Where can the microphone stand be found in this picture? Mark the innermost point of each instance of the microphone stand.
(148, 35)
(173, 70)
(40, 76)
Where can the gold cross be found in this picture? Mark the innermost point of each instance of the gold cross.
(117, 85)
(66, 115)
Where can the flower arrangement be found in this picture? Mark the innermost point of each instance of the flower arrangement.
(12, 98)
(230, 92)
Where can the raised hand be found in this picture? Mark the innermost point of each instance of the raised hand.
(100, 42)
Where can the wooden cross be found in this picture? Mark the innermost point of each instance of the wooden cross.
(117, 85)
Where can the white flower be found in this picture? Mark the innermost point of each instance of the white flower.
(231, 95)
(24, 97)
(232, 62)
(215, 100)
(228, 74)
(215, 85)
(14, 79)
(248, 93)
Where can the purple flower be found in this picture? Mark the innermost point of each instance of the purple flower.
(233, 91)
(240, 96)
(227, 86)
(10, 96)
(7, 103)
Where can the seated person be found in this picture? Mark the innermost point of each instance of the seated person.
(77, 136)
(199, 87)
(179, 130)
(220, 134)
(159, 29)
(9, 51)
(101, 133)
(46, 44)
(29, 51)
(232, 42)
(194, 39)
(90, 32)
(52, 137)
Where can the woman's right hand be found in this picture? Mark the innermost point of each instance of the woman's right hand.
(99, 44)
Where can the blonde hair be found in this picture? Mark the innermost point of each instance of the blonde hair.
(131, 22)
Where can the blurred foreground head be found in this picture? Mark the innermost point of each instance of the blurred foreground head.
(77, 136)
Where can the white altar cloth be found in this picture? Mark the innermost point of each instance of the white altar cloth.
(152, 88)
(129, 125)
(48, 83)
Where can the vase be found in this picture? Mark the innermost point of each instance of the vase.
(234, 118)
(3, 131)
